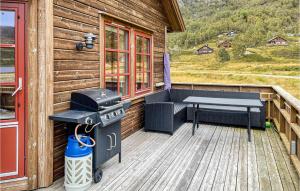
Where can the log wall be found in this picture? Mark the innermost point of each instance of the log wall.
(77, 70)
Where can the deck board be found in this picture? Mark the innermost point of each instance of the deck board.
(242, 175)
(285, 177)
(253, 183)
(263, 173)
(202, 168)
(288, 162)
(219, 180)
(216, 158)
(271, 163)
(209, 177)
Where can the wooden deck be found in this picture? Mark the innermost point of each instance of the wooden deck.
(216, 158)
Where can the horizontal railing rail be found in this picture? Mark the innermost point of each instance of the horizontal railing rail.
(282, 109)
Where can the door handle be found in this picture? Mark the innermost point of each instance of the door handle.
(20, 87)
(115, 139)
(110, 142)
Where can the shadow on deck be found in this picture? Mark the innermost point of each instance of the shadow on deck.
(216, 158)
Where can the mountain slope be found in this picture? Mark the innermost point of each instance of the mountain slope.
(255, 20)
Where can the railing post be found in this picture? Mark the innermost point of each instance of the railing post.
(293, 115)
(281, 102)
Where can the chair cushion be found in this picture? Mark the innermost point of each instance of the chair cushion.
(179, 107)
(226, 108)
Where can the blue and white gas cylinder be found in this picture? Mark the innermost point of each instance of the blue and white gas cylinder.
(78, 163)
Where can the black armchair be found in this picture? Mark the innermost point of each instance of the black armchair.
(161, 114)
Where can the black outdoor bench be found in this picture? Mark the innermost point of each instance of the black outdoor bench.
(165, 110)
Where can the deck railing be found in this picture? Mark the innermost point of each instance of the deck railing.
(281, 108)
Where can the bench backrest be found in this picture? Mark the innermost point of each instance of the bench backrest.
(162, 96)
(178, 95)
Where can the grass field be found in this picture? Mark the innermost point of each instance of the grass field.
(264, 66)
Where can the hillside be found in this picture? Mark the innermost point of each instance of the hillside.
(266, 65)
(254, 20)
(251, 61)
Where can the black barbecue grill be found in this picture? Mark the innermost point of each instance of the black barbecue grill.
(105, 109)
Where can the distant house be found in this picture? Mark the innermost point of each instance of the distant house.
(224, 44)
(277, 41)
(205, 50)
(231, 33)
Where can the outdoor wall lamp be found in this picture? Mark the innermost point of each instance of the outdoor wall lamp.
(89, 41)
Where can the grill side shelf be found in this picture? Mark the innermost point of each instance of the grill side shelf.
(75, 116)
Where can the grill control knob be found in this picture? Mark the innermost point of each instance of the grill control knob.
(115, 113)
(88, 121)
(107, 116)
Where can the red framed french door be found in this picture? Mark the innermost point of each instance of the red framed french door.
(12, 91)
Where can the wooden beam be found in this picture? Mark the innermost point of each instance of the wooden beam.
(288, 97)
(45, 92)
(173, 14)
(101, 48)
(32, 98)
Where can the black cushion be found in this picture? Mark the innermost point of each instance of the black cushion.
(179, 107)
(178, 95)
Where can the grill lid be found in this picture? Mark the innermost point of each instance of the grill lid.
(94, 99)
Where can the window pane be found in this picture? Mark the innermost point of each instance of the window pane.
(123, 39)
(139, 63)
(139, 44)
(139, 81)
(7, 104)
(111, 83)
(124, 85)
(147, 46)
(111, 65)
(7, 27)
(7, 65)
(147, 80)
(146, 63)
(124, 63)
(111, 37)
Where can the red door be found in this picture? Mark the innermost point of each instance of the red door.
(12, 90)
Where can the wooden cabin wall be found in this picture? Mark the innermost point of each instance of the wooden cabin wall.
(77, 70)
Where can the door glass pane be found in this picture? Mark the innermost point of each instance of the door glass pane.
(139, 44)
(7, 27)
(139, 63)
(123, 60)
(147, 63)
(123, 39)
(111, 83)
(139, 81)
(124, 85)
(147, 46)
(111, 65)
(111, 37)
(7, 102)
(7, 65)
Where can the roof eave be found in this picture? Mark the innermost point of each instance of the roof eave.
(174, 15)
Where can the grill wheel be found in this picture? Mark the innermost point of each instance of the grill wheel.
(98, 175)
